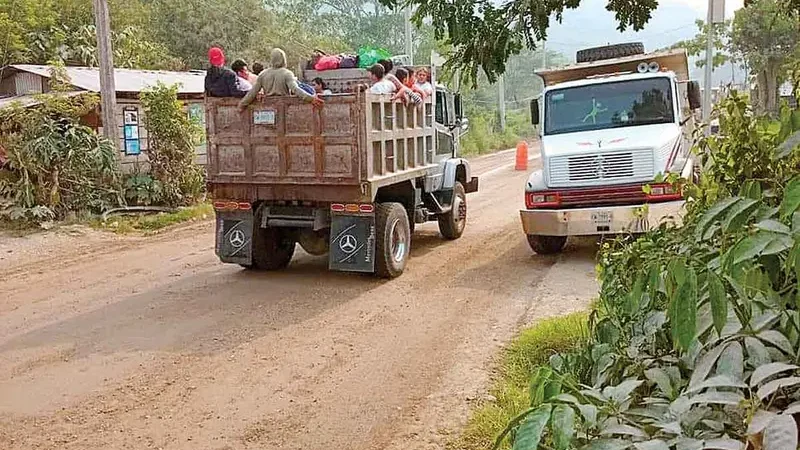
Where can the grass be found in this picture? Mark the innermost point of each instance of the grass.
(532, 348)
(155, 222)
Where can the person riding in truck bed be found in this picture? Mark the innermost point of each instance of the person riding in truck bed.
(277, 80)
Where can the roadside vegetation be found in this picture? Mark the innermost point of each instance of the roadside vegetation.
(509, 395)
(158, 221)
(54, 167)
(55, 170)
(694, 342)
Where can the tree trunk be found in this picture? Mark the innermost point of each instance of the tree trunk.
(761, 86)
(771, 87)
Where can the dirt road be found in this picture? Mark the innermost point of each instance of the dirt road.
(113, 342)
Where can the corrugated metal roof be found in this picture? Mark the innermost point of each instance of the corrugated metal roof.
(125, 80)
(30, 100)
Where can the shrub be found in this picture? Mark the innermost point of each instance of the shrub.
(54, 164)
(172, 141)
(695, 341)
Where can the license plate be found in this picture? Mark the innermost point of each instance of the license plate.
(601, 218)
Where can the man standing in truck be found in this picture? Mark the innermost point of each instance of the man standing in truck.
(277, 80)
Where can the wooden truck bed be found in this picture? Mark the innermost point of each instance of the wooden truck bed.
(285, 149)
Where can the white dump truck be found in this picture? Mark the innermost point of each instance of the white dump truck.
(611, 126)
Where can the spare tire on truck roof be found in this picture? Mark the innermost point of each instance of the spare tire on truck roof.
(609, 52)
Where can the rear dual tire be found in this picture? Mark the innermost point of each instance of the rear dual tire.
(393, 239)
(273, 248)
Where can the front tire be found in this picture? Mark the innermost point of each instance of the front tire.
(393, 239)
(546, 245)
(273, 248)
(452, 224)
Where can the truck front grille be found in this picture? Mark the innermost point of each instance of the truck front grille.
(601, 168)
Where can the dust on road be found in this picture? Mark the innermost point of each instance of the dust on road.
(127, 342)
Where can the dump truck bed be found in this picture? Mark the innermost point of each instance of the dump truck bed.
(284, 149)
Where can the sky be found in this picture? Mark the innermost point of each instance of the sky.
(672, 21)
(701, 6)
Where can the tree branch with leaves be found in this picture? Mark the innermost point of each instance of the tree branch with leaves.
(484, 35)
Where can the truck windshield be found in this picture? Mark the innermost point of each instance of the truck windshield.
(609, 105)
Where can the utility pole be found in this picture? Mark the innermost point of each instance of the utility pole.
(409, 37)
(709, 63)
(544, 55)
(108, 92)
(716, 14)
(501, 94)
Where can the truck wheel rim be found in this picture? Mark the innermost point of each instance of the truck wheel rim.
(398, 241)
(461, 211)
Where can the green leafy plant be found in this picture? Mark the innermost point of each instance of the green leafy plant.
(172, 141)
(142, 189)
(54, 164)
(694, 342)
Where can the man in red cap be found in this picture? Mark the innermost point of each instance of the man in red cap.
(221, 81)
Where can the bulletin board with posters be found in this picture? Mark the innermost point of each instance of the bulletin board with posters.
(130, 127)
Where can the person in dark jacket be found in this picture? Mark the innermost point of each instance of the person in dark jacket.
(221, 81)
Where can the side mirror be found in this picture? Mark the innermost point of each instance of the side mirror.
(464, 125)
(535, 112)
(693, 93)
(457, 102)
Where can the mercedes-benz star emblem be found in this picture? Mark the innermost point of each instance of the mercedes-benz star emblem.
(348, 243)
(236, 238)
(600, 167)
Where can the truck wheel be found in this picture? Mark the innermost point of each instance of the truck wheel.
(546, 245)
(273, 248)
(452, 224)
(393, 236)
(609, 52)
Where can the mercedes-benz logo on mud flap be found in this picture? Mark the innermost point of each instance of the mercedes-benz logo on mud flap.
(348, 243)
(236, 238)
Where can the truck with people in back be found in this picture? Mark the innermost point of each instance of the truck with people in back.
(616, 130)
(349, 178)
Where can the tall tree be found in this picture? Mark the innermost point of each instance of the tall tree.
(485, 34)
(766, 34)
(721, 37)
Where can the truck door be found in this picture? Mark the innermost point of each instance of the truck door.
(445, 116)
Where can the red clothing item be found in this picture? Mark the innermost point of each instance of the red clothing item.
(216, 57)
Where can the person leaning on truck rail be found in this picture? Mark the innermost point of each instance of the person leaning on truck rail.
(277, 80)
(380, 85)
(405, 93)
(221, 81)
(423, 81)
(240, 67)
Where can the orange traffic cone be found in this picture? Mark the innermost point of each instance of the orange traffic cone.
(522, 156)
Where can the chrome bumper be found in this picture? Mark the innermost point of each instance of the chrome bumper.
(599, 220)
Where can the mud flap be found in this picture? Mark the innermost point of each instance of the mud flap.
(235, 237)
(352, 242)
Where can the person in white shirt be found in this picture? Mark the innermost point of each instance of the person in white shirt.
(244, 79)
(380, 84)
(423, 83)
(320, 87)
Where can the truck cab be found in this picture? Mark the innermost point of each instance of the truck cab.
(612, 134)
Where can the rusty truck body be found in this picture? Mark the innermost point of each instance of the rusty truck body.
(349, 179)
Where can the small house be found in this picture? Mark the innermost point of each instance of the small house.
(20, 82)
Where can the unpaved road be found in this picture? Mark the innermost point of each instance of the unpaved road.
(111, 342)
